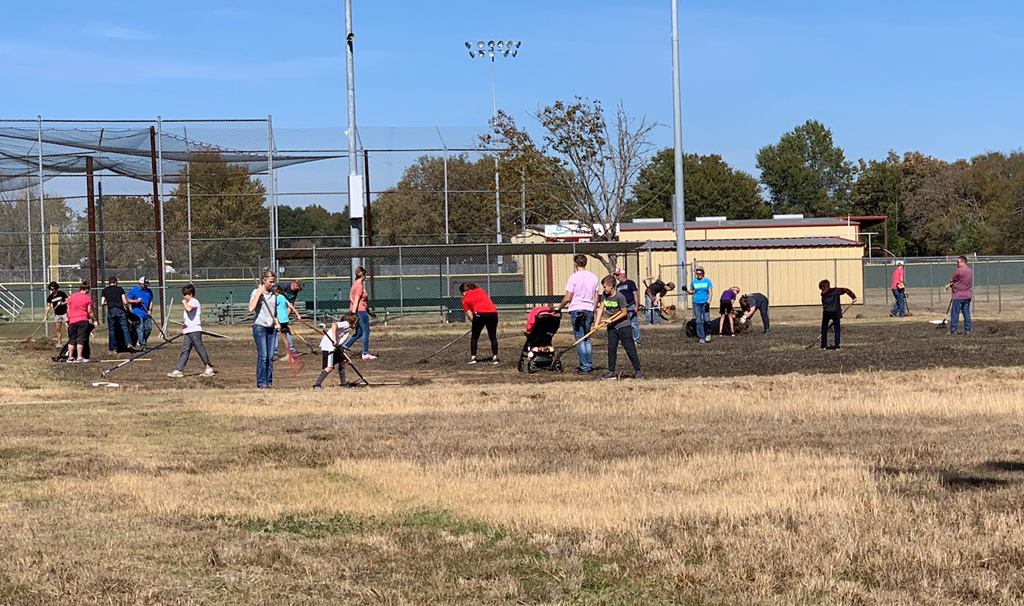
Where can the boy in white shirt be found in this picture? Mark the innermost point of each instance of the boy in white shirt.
(333, 353)
(192, 329)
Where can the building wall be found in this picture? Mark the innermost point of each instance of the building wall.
(787, 276)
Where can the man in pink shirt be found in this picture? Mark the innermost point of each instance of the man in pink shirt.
(962, 285)
(899, 307)
(581, 297)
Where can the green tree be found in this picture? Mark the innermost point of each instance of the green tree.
(313, 225)
(230, 220)
(806, 173)
(946, 212)
(15, 233)
(589, 165)
(412, 212)
(711, 188)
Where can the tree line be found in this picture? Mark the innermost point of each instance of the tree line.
(597, 174)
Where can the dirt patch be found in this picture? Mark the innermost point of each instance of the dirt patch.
(665, 352)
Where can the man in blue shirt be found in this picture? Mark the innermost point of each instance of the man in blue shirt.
(702, 290)
(141, 299)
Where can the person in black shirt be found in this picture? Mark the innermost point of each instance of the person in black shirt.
(656, 290)
(832, 310)
(116, 302)
(57, 300)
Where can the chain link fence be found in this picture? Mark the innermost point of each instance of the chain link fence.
(997, 280)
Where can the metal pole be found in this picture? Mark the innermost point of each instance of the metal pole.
(401, 286)
(90, 213)
(272, 192)
(678, 201)
(160, 194)
(354, 190)
(315, 300)
(444, 147)
(157, 212)
(42, 213)
(522, 206)
(188, 201)
(31, 273)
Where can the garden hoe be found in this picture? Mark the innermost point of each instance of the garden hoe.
(450, 343)
(830, 327)
(558, 356)
(945, 319)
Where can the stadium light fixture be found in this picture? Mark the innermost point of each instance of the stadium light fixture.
(492, 49)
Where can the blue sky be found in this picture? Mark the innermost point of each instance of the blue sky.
(940, 77)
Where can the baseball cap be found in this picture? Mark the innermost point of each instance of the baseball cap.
(899, 263)
(620, 272)
(143, 280)
(698, 268)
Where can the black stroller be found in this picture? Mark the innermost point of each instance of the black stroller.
(538, 353)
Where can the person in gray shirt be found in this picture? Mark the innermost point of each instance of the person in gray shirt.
(613, 304)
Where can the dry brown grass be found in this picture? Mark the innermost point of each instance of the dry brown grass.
(870, 488)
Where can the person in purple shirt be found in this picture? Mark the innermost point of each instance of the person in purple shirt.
(725, 303)
(962, 285)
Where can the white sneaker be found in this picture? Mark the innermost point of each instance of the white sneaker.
(209, 372)
(176, 374)
(82, 360)
(367, 356)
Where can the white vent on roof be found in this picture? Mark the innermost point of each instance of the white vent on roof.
(712, 218)
(787, 216)
(649, 220)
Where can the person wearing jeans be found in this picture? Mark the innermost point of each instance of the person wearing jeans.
(581, 298)
(262, 302)
(962, 285)
(359, 304)
(899, 306)
(701, 288)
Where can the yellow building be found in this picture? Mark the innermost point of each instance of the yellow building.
(782, 258)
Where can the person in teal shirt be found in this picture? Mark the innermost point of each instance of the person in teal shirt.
(702, 290)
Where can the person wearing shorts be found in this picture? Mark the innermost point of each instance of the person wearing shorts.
(725, 303)
(81, 321)
(57, 300)
(332, 351)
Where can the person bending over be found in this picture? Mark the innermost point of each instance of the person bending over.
(832, 311)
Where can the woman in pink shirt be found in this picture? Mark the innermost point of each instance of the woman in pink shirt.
(359, 304)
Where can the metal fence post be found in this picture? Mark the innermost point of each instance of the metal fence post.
(487, 265)
(767, 279)
(315, 299)
(401, 285)
(931, 285)
(42, 216)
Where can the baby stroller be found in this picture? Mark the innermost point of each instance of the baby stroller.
(538, 354)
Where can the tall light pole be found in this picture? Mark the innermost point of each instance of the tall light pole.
(355, 183)
(678, 201)
(492, 49)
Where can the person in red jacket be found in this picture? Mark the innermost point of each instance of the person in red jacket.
(482, 313)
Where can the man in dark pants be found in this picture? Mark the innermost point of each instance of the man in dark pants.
(116, 302)
(755, 302)
(832, 310)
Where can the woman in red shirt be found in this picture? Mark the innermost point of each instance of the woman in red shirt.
(482, 313)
